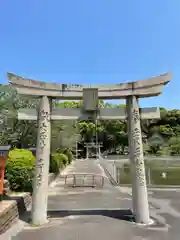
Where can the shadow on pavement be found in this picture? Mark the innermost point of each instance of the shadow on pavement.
(122, 214)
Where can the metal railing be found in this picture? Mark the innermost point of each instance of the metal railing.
(110, 167)
(84, 180)
(164, 171)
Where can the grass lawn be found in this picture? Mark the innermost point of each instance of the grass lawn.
(154, 170)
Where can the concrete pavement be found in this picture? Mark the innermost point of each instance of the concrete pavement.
(79, 213)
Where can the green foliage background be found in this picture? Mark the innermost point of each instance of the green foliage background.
(65, 134)
(160, 137)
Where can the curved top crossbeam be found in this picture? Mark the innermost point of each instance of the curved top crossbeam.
(142, 88)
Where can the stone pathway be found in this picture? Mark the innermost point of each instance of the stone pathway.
(64, 198)
(90, 213)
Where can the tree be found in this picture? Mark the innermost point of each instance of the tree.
(112, 133)
(15, 131)
(174, 145)
(87, 130)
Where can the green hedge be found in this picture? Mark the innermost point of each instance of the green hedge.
(67, 152)
(57, 162)
(19, 169)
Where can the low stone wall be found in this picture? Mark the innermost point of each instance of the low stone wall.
(11, 208)
(14, 205)
(8, 214)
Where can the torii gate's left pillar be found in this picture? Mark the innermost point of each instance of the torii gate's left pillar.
(40, 183)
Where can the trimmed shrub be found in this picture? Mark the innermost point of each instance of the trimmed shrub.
(59, 150)
(57, 162)
(53, 165)
(63, 159)
(69, 154)
(19, 169)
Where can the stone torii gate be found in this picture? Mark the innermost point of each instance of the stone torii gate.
(45, 114)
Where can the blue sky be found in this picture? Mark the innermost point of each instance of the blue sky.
(92, 41)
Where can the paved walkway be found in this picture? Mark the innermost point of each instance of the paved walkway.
(102, 214)
(61, 198)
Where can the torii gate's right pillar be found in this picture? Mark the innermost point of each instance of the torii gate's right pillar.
(139, 188)
(134, 90)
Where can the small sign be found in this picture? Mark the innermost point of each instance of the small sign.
(2, 153)
(4, 150)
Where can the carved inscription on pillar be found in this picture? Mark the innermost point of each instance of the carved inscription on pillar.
(136, 116)
(140, 173)
(44, 119)
(39, 169)
(136, 141)
(137, 151)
